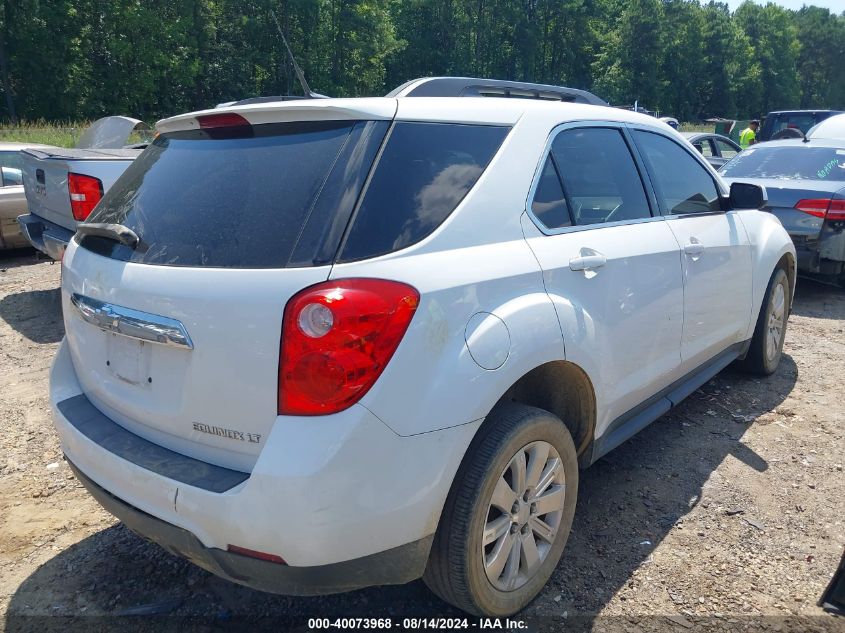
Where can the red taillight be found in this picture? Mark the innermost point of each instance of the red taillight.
(243, 551)
(823, 208)
(85, 192)
(836, 210)
(337, 338)
(224, 119)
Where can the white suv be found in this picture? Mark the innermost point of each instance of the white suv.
(323, 344)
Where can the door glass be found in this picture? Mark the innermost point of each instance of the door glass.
(725, 149)
(11, 177)
(705, 147)
(599, 176)
(549, 204)
(683, 185)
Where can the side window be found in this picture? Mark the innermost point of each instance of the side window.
(11, 177)
(704, 147)
(10, 168)
(726, 150)
(424, 172)
(549, 205)
(599, 176)
(682, 184)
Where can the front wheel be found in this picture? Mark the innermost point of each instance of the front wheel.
(767, 343)
(508, 515)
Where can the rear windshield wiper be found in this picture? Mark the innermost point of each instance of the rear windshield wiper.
(116, 232)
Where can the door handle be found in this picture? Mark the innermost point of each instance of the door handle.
(694, 247)
(587, 262)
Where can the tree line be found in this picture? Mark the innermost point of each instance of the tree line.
(72, 59)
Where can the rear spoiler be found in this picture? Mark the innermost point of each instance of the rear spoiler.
(256, 113)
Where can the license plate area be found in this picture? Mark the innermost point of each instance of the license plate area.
(128, 359)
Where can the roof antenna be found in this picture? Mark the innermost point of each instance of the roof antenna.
(296, 68)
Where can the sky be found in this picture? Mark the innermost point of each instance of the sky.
(837, 6)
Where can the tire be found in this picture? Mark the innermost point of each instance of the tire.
(765, 352)
(787, 132)
(456, 569)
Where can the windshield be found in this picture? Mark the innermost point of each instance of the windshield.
(788, 162)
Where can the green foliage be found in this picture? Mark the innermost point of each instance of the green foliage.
(69, 59)
(820, 74)
(773, 36)
(43, 133)
(628, 67)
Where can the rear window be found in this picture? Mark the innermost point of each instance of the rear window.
(425, 171)
(266, 196)
(10, 159)
(788, 162)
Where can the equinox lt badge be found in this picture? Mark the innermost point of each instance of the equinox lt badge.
(252, 438)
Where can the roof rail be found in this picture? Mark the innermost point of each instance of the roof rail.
(474, 87)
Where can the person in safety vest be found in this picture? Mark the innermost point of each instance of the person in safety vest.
(748, 136)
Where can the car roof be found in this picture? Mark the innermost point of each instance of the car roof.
(471, 110)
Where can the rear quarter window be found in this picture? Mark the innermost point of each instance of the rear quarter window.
(424, 172)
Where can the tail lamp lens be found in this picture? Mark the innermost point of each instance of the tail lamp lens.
(816, 207)
(337, 338)
(825, 208)
(85, 192)
(836, 211)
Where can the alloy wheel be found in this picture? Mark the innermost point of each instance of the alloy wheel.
(523, 516)
(777, 318)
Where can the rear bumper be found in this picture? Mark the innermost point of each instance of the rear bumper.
(48, 237)
(396, 566)
(342, 492)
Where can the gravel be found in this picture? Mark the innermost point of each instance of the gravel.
(726, 514)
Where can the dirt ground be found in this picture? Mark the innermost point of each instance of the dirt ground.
(726, 514)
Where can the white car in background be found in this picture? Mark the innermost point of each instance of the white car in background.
(323, 344)
(831, 128)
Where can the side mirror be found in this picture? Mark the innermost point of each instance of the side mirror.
(744, 195)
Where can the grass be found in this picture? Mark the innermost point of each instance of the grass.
(61, 134)
(65, 134)
(697, 127)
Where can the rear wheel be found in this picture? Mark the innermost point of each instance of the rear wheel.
(767, 343)
(508, 515)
